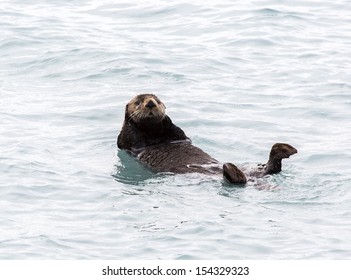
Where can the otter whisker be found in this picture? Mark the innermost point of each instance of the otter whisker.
(164, 147)
(134, 115)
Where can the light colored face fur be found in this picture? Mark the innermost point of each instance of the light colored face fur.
(145, 106)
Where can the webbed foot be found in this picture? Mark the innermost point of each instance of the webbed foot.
(278, 152)
(233, 174)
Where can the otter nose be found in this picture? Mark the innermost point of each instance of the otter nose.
(150, 104)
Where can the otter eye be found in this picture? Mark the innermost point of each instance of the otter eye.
(137, 103)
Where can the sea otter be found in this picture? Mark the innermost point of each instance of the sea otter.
(149, 134)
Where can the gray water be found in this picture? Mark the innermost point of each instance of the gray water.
(236, 76)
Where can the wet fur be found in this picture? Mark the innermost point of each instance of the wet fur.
(149, 134)
(141, 130)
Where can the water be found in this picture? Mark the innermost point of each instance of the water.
(236, 76)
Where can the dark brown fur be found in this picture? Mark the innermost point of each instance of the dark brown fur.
(149, 134)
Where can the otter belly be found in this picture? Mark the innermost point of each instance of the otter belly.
(179, 157)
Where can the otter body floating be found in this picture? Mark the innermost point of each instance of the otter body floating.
(149, 134)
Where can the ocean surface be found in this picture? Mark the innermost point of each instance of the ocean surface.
(236, 76)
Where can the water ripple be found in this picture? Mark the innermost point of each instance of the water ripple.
(236, 78)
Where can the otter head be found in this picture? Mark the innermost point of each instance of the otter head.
(145, 107)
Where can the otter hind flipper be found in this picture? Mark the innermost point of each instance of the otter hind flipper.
(233, 174)
(282, 150)
(278, 152)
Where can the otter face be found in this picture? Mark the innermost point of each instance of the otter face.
(145, 107)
